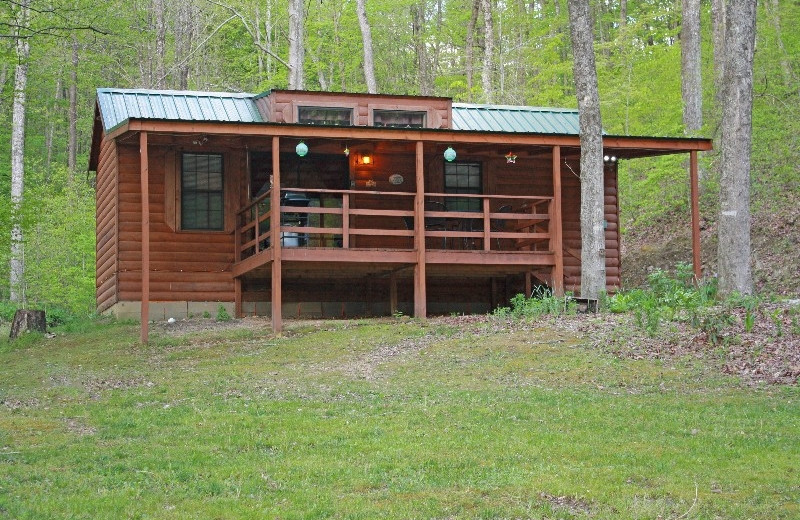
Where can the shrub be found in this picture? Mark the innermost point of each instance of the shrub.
(222, 314)
(541, 303)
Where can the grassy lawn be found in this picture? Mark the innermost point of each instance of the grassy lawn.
(383, 419)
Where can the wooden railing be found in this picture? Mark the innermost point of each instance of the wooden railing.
(491, 223)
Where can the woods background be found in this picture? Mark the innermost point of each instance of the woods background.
(483, 51)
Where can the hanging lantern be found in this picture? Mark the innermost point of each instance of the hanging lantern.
(301, 149)
(449, 154)
(346, 151)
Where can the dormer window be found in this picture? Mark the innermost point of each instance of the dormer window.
(399, 118)
(333, 116)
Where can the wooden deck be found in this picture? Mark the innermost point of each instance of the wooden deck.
(351, 233)
(358, 235)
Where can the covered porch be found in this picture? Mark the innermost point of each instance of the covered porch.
(399, 242)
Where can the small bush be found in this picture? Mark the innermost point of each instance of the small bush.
(222, 314)
(541, 303)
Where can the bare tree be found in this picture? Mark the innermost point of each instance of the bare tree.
(23, 49)
(296, 45)
(488, 51)
(593, 262)
(366, 38)
(420, 46)
(72, 143)
(470, 50)
(718, 39)
(691, 79)
(734, 220)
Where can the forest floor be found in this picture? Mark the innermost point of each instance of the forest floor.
(775, 242)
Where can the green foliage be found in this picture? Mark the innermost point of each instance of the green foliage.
(541, 303)
(222, 314)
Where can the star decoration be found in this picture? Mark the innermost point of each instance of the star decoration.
(511, 158)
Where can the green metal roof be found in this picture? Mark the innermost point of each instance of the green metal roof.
(119, 105)
(518, 119)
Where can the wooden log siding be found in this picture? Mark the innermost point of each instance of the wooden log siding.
(106, 212)
(184, 265)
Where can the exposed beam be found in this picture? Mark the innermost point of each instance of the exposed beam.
(656, 145)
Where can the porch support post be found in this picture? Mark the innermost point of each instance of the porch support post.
(420, 297)
(695, 195)
(556, 240)
(144, 174)
(275, 236)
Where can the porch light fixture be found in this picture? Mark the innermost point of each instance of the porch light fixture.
(364, 159)
(609, 158)
(449, 154)
(346, 151)
(301, 149)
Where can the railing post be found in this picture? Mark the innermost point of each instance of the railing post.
(487, 226)
(257, 228)
(345, 220)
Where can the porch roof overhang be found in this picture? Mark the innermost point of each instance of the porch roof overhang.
(623, 147)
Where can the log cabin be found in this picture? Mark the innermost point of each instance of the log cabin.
(318, 204)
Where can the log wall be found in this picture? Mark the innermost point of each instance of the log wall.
(184, 265)
(106, 215)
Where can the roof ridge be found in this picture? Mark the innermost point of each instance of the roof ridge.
(167, 92)
(525, 108)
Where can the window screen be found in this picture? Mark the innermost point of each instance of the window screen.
(202, 202)
(398, 118)
(325, 116)
(463, 177)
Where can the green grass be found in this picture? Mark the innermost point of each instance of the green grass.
(382, 419)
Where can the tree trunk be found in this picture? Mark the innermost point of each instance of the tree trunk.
(593, 264)
(718, 40)
(734, 220)
(296, 45)
(161, 37)
(17, 259)
(53, 116)
(366, 38)
(623, 13)
(488, 51)
(470, 50)
(28, 321)
(72, 145)
(691, 81)
(418, 30)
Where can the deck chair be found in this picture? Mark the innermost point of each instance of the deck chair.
(495, 224)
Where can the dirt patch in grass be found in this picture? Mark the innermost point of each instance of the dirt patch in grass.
(573, 505)
(766, 352)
